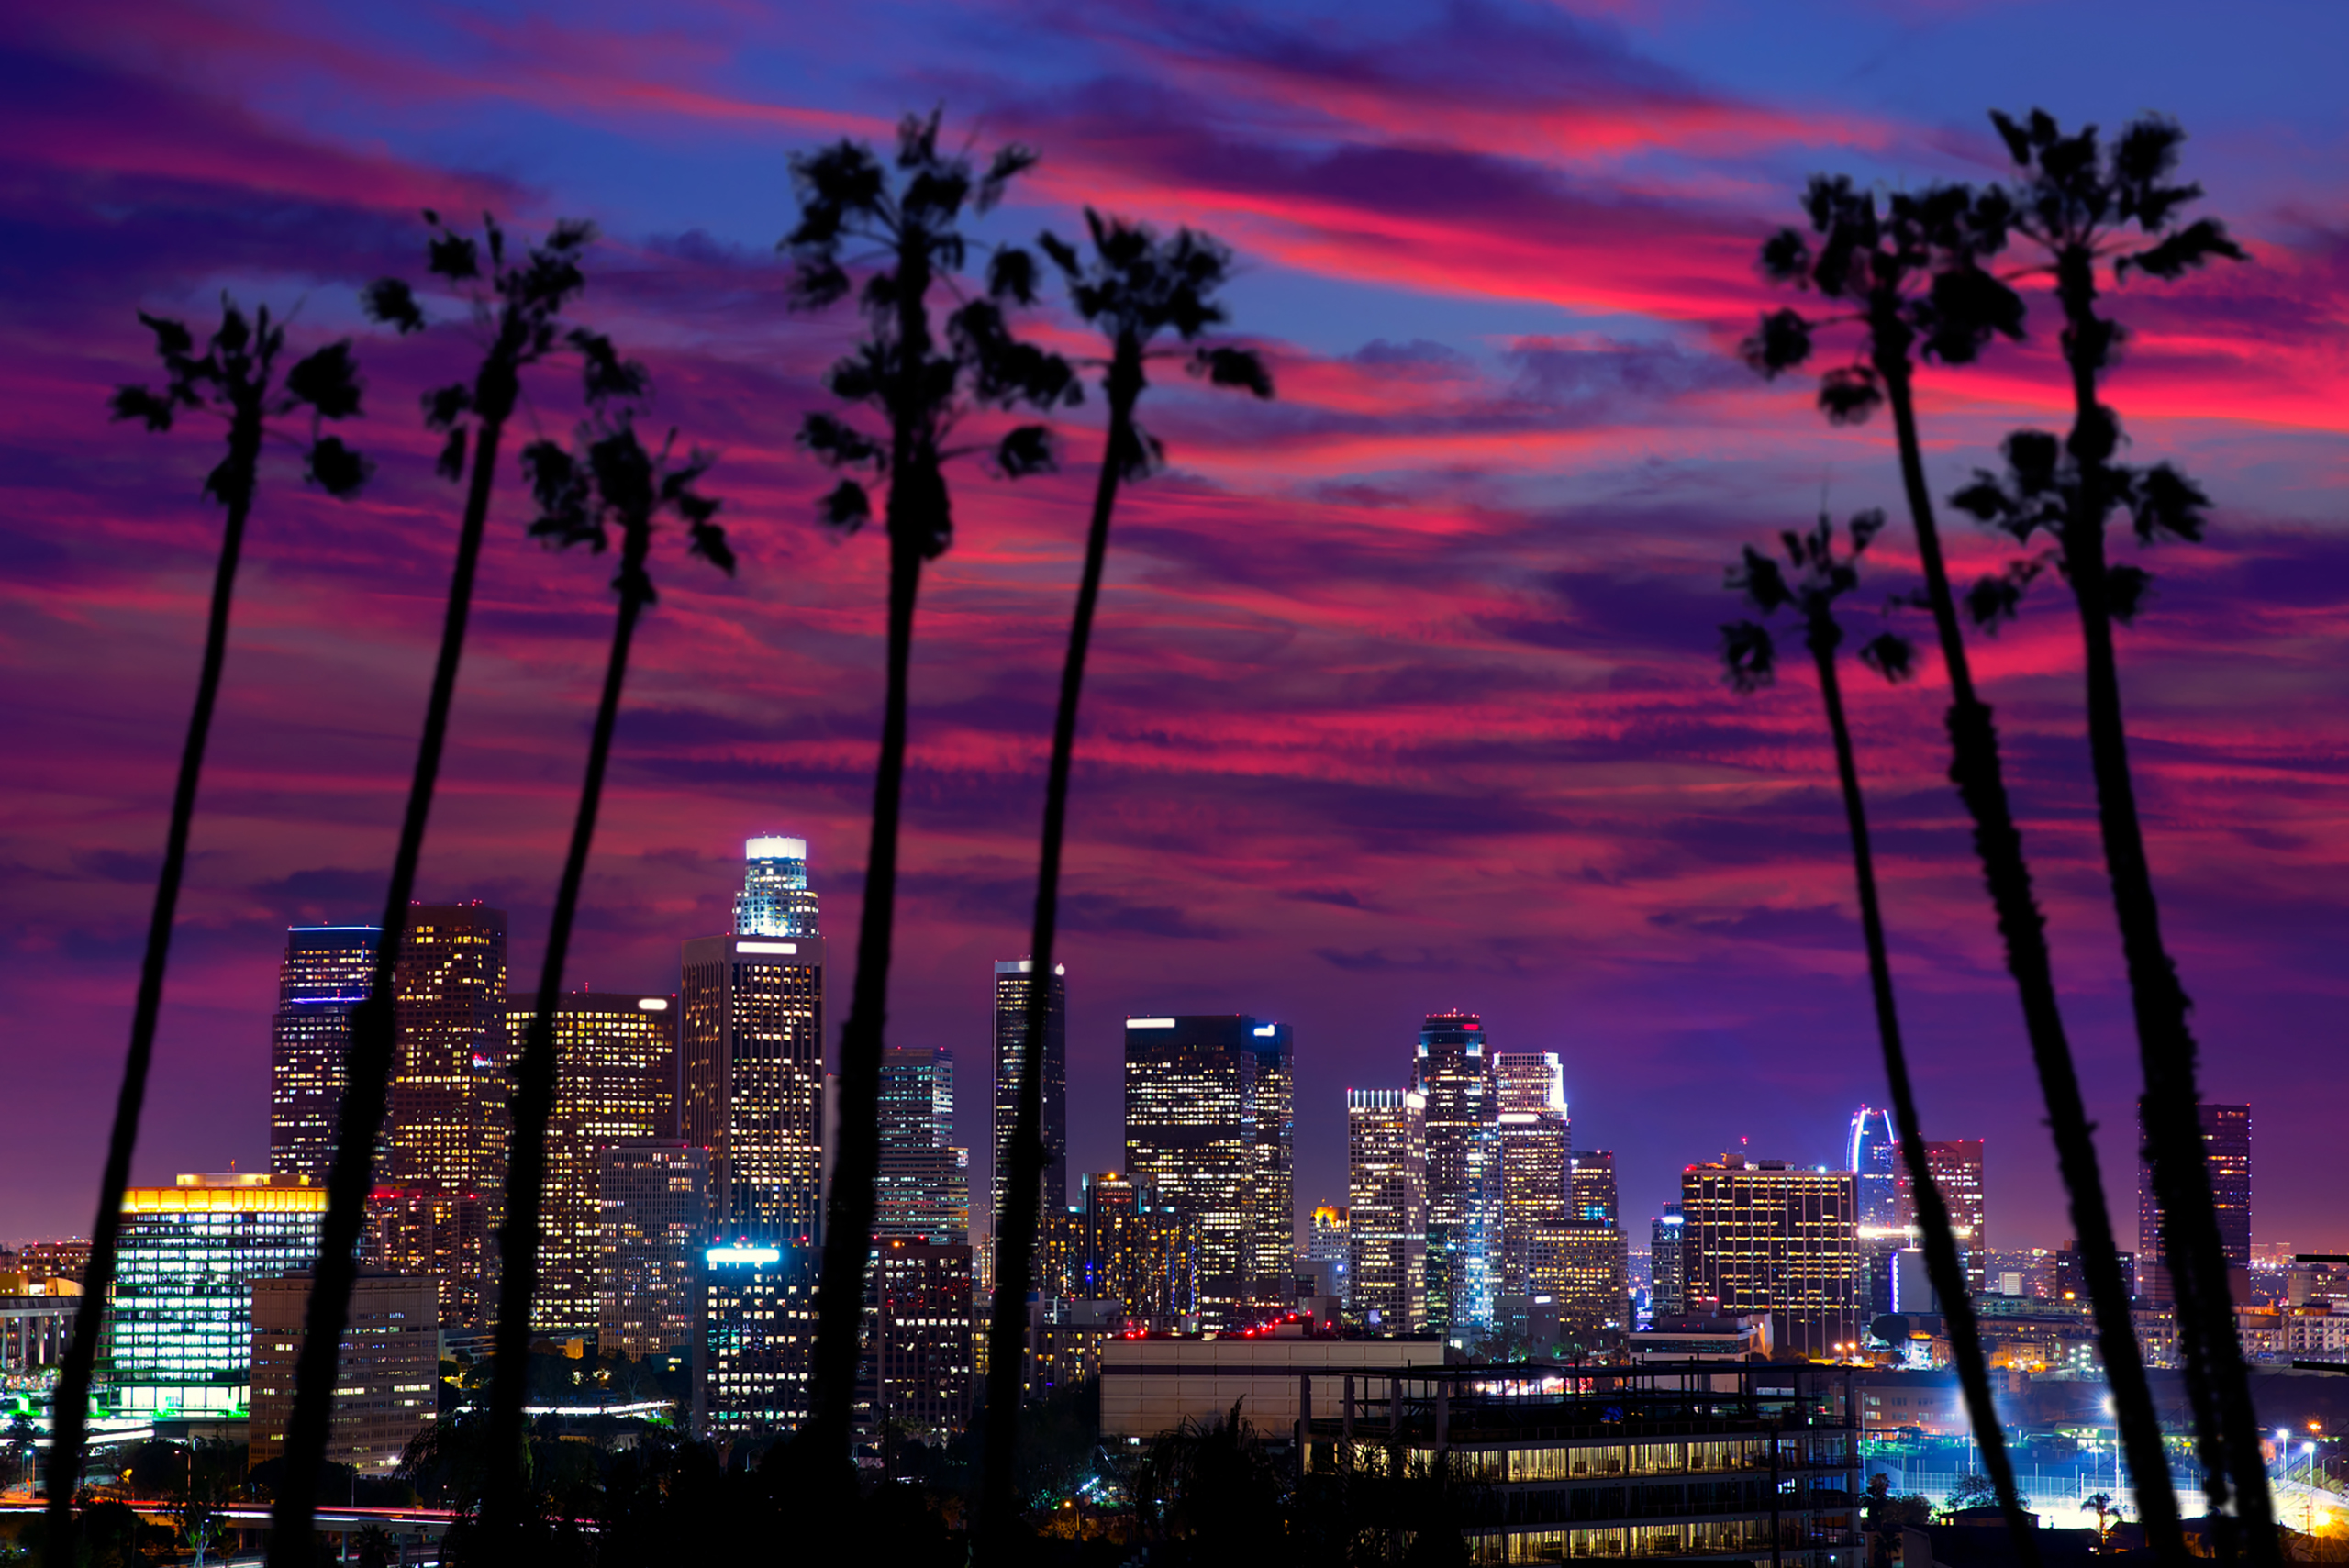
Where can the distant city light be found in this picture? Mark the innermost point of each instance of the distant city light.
(1150, 1023)
(744, 1255)
(652, 1004)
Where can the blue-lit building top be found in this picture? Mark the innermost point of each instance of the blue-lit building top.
(326, 973)
(1455, 1070)
(1872, 1155)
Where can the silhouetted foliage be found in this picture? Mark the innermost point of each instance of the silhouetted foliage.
(514, 305)
(1135, 287)
(2090, 208)
(904, 225)
(609, 482)
(1909, 273)
(234, 379)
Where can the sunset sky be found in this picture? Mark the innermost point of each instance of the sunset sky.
(1405, 695)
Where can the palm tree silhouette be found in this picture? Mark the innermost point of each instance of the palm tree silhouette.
(2077, 202)
(235, 379)
(1912, 278)
(1820, 578)
(516, 311)
(1134, 286)
(2100, 1503)
(924, 392)
(613, 484)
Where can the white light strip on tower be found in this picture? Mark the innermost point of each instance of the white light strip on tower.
(767, 947)
(1265, 1031)
(652, 1004)
(1150, 1023)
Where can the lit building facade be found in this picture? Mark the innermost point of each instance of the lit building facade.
(1537, 1152)
(925, 1183)
(1767, 1236)
(1956, 1165)
(775, 900)
(1014, 983)
(1208, 1102)
(750, 1080)
(1124, 1245)
(759, 1329)
(1591, 1186)
(444, 1236)
(918, 1338)
(1667, 1266)
(2226, 1147)
(616, 1075)
(387, 1378)
(448, 1091)
(652, 1221)
(1328, 1242)
(1454, 1074)
(1387, 1193)
(182, 1337)
(327, 971)
(1577, 1267)
(1873, 1153)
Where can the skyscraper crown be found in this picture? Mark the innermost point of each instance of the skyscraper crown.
(775, 900)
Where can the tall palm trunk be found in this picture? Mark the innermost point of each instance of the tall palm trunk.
(916, 512)
(373, 1035)
(1016, 1225)
(72, 1404)
(505, 1507)
(1981, 784)
(1941, 1264)
(2192, 1249)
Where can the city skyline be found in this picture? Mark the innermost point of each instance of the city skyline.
(326, 972)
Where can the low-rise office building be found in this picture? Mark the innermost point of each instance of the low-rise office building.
(387, 1379)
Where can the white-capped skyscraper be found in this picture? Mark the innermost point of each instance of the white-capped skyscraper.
(775, 900)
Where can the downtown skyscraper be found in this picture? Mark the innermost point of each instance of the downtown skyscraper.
(448, 1091)
(925, 1182)
(1014, 981)
(1872, 1153)
(1957, 1167)
(1387, 1197)
(1537, 1155)
(1454, 1072)
(616, 1072)
(1763, 1236)
(326, 973)
(1210, 1103)
(751, 1055)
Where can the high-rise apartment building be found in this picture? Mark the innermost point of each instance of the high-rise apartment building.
(1591, 1187)
(181, 1336)
(387, 1378)
(1125, 1245)
(327, 973)
(750, 1080)
(1956, 1165)
(450, 1087)
(1537, 1152)
(1668, 1264)
(652, 1221)
(615, 1077)
(1768, 1237)
(1454, 1072)
(775, 900)
(925, 1182)
(2226, 1145)
(1208, 1102)
(1014, 983)
(1386, 1194)
(917, 1338)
